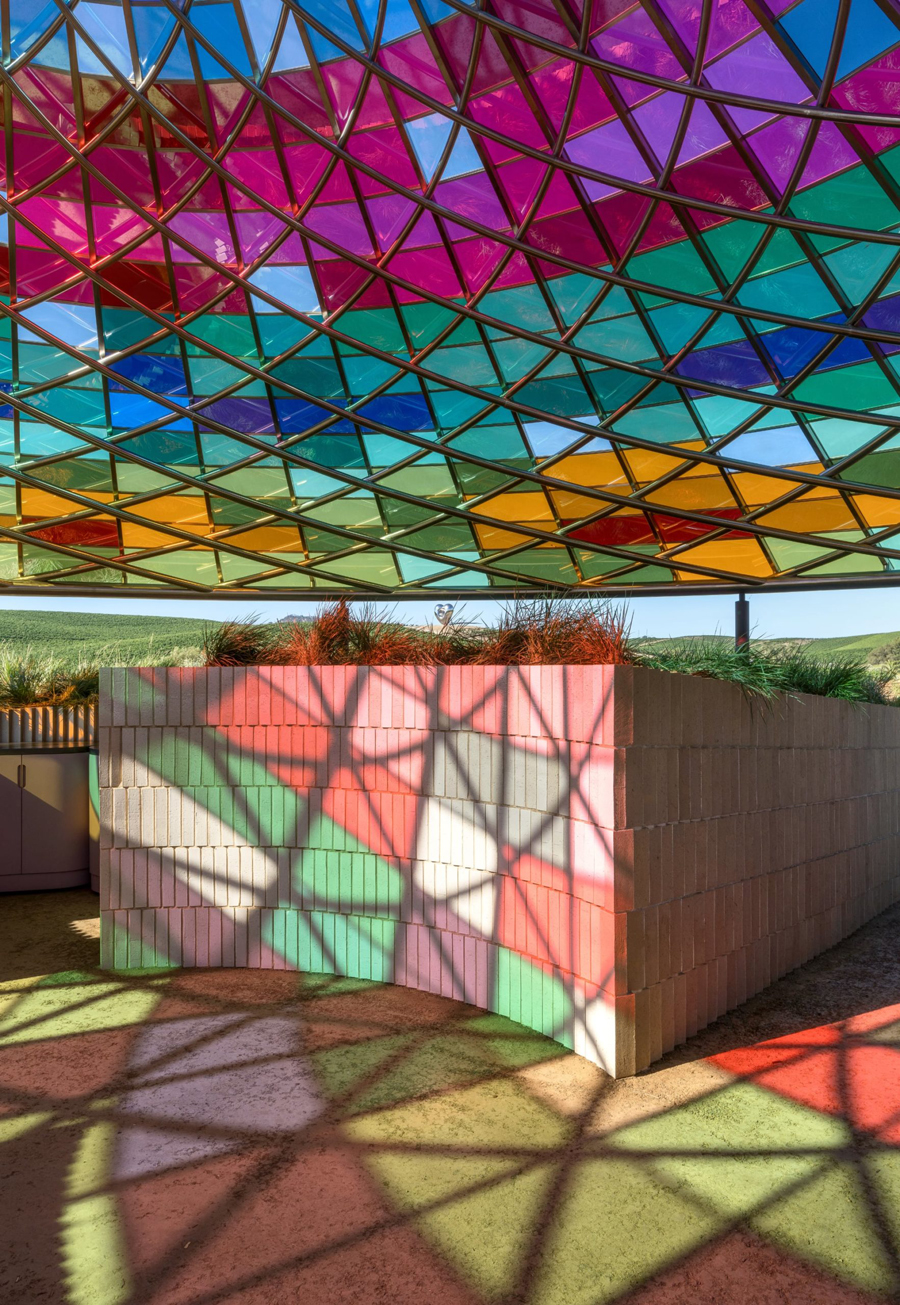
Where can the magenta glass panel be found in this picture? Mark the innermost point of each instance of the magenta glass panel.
(500, 299)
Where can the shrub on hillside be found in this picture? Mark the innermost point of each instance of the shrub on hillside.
(886, 654)
(553, 631)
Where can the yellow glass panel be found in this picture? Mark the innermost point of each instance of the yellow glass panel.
(810, 516)
(269, 539)
(517, 507)
(739, 556)
(878, 511)
(181, 508)
(38, 503)
(757, 490)
(143, 537)
(695, 493)
(648, 464)
(494, 537)
(588, 469)
(570, 505)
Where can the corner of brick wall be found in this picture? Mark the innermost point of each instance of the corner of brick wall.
(753, 836)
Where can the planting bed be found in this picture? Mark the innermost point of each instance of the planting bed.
(610, 855)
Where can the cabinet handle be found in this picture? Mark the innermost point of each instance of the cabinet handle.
(21, 775)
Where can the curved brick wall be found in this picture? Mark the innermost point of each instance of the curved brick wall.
(446, 829)
(613, 857)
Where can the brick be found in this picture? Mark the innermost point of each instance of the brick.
(680, 1009)
(667, 1017)
(634, 950)
(642, 1029)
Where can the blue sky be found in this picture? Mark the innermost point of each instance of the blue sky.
(810, 615)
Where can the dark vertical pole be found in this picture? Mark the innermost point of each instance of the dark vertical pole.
(741, 623)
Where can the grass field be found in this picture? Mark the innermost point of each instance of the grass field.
(91, 636)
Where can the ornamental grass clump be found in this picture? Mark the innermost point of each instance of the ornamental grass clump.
(556, 632)
(28, 679)
(25, 677)
(80, 683)
(714, 660)
(545, 631)
(766, 673)
(833, 677)
(237, 643)
(339, 637)
(377, 641)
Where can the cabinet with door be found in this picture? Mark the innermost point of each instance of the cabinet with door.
(44, 819)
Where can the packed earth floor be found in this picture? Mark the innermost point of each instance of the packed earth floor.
(196, 1137)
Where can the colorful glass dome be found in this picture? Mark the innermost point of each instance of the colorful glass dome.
(417, 295)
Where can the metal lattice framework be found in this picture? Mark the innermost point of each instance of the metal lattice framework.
(394, 296)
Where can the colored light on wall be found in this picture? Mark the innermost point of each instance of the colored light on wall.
(415, 296)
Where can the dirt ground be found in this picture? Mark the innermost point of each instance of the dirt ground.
(190, 1137)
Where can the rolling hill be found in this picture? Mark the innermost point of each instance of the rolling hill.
(850, 645)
